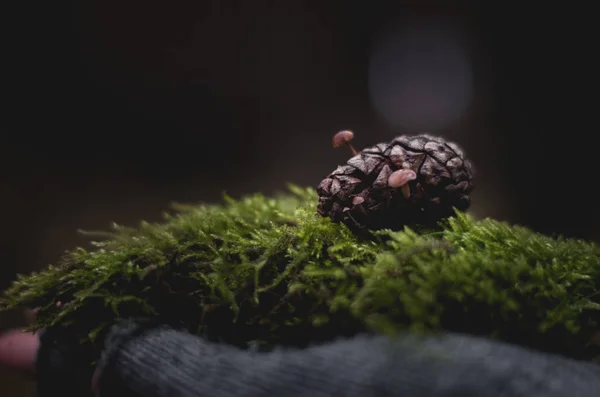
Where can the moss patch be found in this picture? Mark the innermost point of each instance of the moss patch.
(270, 271)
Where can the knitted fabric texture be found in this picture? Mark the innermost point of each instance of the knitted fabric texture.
(163, 362)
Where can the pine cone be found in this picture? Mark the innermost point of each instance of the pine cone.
(413, 180)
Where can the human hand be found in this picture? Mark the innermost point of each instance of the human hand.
(18, 349)
(19, 352)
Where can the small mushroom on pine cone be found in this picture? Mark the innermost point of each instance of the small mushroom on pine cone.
(400, 179)
(344, 138)
(408, 181)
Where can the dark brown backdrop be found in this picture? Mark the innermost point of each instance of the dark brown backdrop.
(112, 109)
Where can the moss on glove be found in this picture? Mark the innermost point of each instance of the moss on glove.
(270, 271)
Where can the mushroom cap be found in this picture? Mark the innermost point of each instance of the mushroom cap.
(358, 200)
(342, 137)
(401, 177)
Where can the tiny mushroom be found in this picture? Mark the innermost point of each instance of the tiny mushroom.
(358, 200)
(400, 179)
(344, 138)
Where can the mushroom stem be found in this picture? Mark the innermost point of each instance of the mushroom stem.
(405, 191)
(354, 152)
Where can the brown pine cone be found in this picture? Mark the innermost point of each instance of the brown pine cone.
(413, 180)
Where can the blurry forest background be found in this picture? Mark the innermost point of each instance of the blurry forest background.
(113, 109)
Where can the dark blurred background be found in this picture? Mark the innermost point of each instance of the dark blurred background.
(113, 109)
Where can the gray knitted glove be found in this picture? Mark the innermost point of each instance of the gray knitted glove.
(163, 362)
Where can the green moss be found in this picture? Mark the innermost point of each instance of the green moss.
(270, 271)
